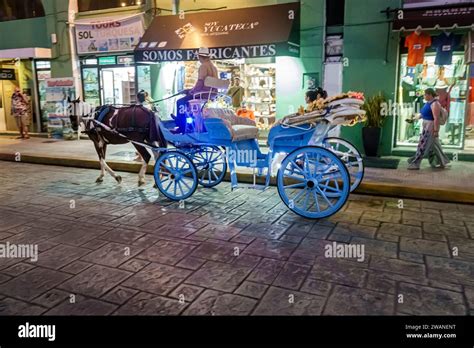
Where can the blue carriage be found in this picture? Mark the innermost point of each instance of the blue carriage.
(313, 179)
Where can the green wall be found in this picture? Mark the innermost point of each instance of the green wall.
(36, 32)
(289, 71)
(24, 33)
(371, 65)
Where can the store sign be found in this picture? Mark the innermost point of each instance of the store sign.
(107, 60)
(111, 35)
(59, 89)
(429, 3)
(229, 34)
(216, 53)
(435, 17)
(7, 74)
(125, 60)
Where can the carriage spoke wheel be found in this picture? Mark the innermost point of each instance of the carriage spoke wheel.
(313, 182)
(175, 175)
(351, 157)
(211, 165)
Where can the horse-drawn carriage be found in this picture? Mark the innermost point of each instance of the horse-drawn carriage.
(314, 178)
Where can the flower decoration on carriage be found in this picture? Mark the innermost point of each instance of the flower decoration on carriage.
(356, 95)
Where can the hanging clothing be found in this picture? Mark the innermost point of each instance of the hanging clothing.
(416, 45)
(445, 44)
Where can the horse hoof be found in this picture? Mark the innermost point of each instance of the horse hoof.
(99, 180)
(141, 183)
(119, 179)
(155, 187)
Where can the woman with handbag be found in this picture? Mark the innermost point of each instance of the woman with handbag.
(433, 116)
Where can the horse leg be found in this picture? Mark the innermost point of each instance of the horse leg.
(146, 158)
(105, 166)
(100, 153)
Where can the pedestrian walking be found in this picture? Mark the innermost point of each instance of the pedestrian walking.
(429, 145)
(20, 110)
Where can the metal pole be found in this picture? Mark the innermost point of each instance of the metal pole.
(175, 7)
(35, 97)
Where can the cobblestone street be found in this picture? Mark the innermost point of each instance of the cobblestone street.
(124, 250)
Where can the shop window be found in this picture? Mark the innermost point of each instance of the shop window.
(334, 12)
(451, 84)
(94, 5)
(11, 10)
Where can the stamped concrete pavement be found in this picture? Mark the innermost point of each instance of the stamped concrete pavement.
(124, 250)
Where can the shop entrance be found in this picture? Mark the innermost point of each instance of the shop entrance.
(7, 87)
(117, 85)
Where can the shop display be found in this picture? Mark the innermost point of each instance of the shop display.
(90, 83)
(416, 43)
(445, 44)
(256, 80)
(58, 92)
(42, 77)
(449, 82)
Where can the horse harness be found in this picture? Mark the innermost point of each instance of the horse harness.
(113, 121)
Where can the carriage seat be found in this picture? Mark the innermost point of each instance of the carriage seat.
(240, 128)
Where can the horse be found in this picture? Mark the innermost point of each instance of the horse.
(111, 125)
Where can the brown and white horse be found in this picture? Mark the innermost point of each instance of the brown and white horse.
(136, 123)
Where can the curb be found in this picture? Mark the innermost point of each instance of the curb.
(366, 188)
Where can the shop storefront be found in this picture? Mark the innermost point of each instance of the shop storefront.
(436, 52)
(245, 45)
(22, 72)
(108, 71)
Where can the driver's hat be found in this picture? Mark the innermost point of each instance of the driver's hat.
(204, 51)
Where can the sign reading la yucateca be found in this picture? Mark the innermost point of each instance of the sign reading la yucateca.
(263, 31)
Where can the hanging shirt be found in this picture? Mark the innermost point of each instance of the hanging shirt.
(445, 44)
(416, 45)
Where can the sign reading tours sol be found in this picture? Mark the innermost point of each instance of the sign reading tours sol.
(7, 74)
(262, 31)
(109, 35)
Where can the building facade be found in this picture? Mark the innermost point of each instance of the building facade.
(357, 49)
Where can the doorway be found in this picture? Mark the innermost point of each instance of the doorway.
(117, 85)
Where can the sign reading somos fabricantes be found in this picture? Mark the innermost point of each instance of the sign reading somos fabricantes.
(263, 31)
(108, 35)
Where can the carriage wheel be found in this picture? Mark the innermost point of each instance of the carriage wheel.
(350, 156)
(211, 165)
(175, 175)
(313, 182)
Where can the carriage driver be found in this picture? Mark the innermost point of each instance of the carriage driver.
(207, 68)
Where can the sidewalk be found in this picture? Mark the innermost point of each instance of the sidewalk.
(452, 185)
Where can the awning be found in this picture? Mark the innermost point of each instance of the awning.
(442, 17)
(264, 31)
(26, 53)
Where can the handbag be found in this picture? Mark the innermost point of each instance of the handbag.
(443, 116)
